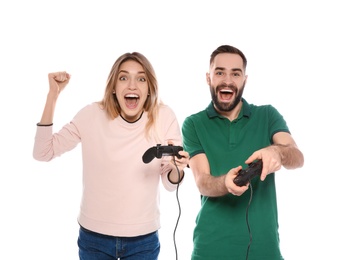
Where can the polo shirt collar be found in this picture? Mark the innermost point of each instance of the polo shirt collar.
(245, 110)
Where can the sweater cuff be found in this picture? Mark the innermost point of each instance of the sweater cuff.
(183, 175)
(38, 124)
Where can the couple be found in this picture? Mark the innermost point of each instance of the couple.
(119, 215)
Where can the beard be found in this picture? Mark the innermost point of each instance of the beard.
(226, 107)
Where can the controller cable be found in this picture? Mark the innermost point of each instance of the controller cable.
(177, 196)
(247, 222)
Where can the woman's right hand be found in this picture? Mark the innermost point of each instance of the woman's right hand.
(57, 82)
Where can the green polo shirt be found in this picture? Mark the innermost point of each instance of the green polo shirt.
(221, 230)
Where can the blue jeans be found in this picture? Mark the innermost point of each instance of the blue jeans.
(95, 246)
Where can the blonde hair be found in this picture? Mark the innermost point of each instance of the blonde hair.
(110, 103)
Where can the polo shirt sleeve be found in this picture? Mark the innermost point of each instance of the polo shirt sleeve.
(191, 142)
(277, 122)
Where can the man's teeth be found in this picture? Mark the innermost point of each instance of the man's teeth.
(226, 91)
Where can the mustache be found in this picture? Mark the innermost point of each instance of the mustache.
(224, 85)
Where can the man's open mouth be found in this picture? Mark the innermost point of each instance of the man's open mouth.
(226, 94)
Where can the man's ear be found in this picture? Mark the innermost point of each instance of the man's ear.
(208, 79)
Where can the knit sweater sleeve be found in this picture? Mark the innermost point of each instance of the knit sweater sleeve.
(170, 127)
(48, 145)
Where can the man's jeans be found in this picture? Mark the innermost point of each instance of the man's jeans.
(94, 246)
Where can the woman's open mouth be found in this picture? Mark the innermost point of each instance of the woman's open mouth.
(131, 100)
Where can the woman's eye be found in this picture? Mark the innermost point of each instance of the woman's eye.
(142, 79)
(122, 78)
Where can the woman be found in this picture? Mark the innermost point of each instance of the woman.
(119, 213)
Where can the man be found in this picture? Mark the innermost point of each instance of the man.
(221, 140)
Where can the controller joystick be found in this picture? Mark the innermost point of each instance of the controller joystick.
(161, 150)
(245, 175)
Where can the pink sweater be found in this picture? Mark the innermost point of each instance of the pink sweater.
(120, 192)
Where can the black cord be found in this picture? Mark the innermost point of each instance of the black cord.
(247, 222)
(177, 196)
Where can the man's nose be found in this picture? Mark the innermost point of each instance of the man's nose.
(227, 79)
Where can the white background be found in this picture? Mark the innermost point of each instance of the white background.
(292, 51)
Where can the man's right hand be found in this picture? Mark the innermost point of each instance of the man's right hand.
(231, 186)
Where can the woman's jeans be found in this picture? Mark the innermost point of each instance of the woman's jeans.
(95, 246)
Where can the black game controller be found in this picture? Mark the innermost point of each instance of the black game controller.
(245, 175)
(161, 150)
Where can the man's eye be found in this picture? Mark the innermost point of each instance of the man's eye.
(220, 73)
